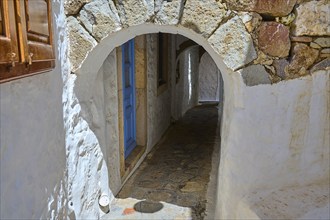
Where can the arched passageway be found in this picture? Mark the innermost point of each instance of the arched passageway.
(185, 153)
(157, 103)
(93, 102)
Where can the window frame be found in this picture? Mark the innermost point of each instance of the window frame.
(31, 57)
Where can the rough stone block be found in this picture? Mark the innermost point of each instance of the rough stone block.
(326, 50)
(80, 41)
(233, 43)
(301, 39)
(314, 45)
(303, 58)
(100, 18)
(324, 64)
(324, 55)
(168, 12)
(280, 67)
(313, 18)
(251, 20)
(269, 7)
(323, 41)
(135, 12)
(72, 7)
(255, 75)
(274, 39)
(202, 16)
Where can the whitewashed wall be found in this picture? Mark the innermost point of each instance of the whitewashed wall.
(276, 136)
(159, 105)
(33, 162)
(209, 79)
(185, 77)
(186, 88)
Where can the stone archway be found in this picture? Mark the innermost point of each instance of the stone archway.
(96, 28)
(88, 77)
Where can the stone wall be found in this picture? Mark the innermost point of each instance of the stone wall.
(281, 36)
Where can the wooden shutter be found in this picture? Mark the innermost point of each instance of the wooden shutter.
(26, 40)
(38, 30)
(8, 38)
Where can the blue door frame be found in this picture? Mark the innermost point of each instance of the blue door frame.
(128, 76)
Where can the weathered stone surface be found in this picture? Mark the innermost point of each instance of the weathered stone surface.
(263, 59)
(313, 18)
(202, 16)
(274, 39)
(80, 41)
(268, 7)
(168, 12)
(326, 50)
(255, 75)
(324, 55)
(301, 39)
(323, 41)
(314, 45)
(160, 196)
(100, 18)
(324, 64)
(280, 67)
(158, 4)
(72, 7)
(251, 20)
(303, 57)
(233, 43)
(287, 20)
(191, 187)
(134, 12)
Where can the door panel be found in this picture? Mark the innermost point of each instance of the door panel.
(129, 97)
(38, 25)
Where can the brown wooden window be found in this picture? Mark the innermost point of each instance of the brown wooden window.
(26, 44)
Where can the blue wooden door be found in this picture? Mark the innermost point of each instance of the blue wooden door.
(129, 97)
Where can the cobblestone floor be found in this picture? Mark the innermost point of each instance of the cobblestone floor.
(177, 170)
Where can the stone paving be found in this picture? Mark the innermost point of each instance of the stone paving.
(177, 170)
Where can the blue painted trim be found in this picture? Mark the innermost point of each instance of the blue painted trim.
(129, 140)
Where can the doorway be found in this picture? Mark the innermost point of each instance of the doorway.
(132, 103)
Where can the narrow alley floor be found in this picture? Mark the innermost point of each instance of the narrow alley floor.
(177, 170)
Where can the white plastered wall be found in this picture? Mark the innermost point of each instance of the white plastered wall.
(33, 161)
(158, 105)
(277, 136)
(186, 87)
(209, 79)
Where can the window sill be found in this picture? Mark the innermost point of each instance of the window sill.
(21, 70)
